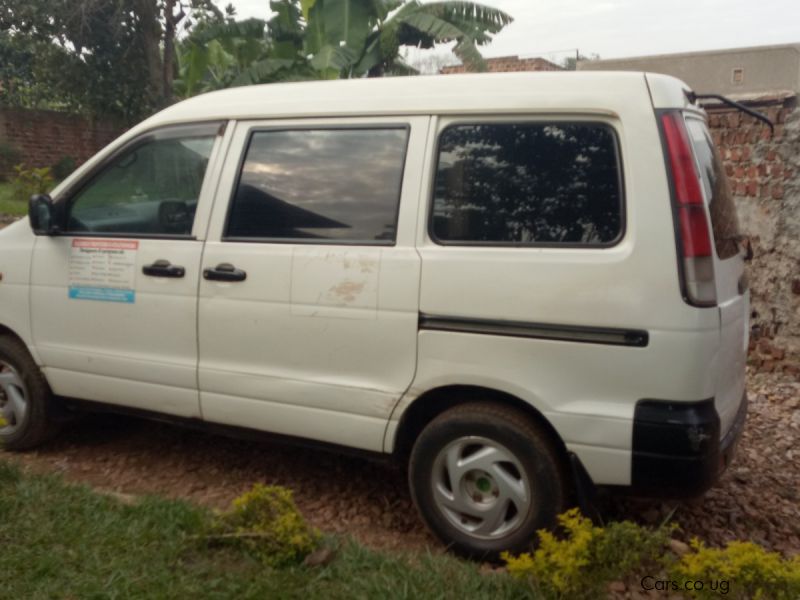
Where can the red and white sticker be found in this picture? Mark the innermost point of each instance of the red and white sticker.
(103, 270)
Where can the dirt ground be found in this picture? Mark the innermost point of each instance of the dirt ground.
(758, 498)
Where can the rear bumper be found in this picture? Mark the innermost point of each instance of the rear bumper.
(677, 448)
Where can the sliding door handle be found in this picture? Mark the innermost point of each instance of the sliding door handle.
(224, 272)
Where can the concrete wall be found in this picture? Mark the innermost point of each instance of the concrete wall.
(41, 138)
(764, 68)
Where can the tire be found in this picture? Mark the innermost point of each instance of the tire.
(485, 478)
(26, 402)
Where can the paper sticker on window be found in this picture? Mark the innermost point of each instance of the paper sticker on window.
(103, 270)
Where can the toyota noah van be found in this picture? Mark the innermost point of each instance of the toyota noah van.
(521, 286)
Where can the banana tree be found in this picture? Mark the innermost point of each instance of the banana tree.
(312, 39)
(235, 53)
(353, 38)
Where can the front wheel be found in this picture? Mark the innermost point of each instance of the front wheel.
(26, 403)
(485, 478)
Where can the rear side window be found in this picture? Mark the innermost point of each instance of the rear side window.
(334, 185)
(724, 222)
(528, 183)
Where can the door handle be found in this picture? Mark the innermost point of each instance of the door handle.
(224, 272)
(163, 268)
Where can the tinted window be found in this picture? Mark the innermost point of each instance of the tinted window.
(152, 188)
(528, 183)
(334, 184)
(724, 222)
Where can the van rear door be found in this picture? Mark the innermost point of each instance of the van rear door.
(732, 296)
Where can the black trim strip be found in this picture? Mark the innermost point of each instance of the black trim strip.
(545, 331)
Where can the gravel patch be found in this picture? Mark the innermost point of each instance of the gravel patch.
(757, 499)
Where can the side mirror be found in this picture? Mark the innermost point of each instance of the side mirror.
(41, 214)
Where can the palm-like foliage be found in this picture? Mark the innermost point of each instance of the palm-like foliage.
(423, 25)
(228, 54)
(308, 39)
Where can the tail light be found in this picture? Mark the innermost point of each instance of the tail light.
(694, 232)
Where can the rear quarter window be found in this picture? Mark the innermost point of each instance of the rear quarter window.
(534, 183)
(724, 220)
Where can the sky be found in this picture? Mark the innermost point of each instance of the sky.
(614, 28)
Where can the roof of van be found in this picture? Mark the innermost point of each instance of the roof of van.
(585, 91)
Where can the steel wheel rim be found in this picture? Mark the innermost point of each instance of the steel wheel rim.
(480, 487)
(13, 399)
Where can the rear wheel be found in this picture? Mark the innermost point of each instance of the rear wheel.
(26, 403)
(485, 478)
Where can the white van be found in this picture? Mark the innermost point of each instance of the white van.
(520, 284)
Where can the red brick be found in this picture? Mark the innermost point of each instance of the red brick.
(741, 188)
(752, 189)
(777, 191)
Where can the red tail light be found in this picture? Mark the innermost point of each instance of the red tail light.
(694, 230)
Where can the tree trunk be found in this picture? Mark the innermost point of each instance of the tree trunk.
(151, 42)
(171, 21)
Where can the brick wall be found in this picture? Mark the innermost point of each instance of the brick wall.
(764, 173)
(42, 138)
(505, 64)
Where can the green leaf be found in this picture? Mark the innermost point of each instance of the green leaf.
(346, 22)
(331, 60)
(263, 71)
(467, 52)
(306, 6)
(439, 29)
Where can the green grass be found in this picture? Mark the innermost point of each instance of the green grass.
(59, 540)
(9, 206)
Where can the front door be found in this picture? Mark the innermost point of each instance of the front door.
(114, 298)
(309, 297)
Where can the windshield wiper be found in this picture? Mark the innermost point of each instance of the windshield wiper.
(693, 98)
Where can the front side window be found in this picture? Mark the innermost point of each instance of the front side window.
(150, 189)
(528, 183)
(321, 185)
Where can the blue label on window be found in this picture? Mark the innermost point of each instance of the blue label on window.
(102, 294)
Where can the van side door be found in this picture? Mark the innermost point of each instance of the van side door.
(308, 306)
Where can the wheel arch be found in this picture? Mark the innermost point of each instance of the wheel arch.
(5, 330)
(430, 404)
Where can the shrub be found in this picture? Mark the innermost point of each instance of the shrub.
(750, 570)
(588, 557)
(265, 522)
(64, 167)
(28, 182)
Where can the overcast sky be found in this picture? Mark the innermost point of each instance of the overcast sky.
(614, 28)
